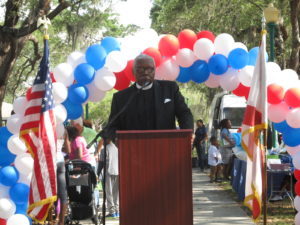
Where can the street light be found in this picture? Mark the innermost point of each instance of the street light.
(272, 15)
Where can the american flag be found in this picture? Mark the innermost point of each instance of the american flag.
(38, 132)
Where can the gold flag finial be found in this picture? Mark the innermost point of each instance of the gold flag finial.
(44, 22)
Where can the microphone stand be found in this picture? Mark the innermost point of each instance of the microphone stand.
(105, 135)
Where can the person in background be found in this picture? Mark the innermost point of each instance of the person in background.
(199, 143)
(78, 146)
(112, 178)
(63, 147)
(214, 160)
(227, 143)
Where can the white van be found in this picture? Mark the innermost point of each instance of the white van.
(226, 106)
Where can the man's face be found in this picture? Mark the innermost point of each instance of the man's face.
(144, 70)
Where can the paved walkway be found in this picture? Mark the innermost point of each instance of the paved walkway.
(212, 205)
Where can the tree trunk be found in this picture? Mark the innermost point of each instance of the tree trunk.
(294, 58)
(10, 50)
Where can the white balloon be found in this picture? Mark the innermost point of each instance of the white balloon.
(14, 123)
(292, 150)
(230, 81)
(297, 219)
(296, 160)
(297, 203)
(223, 44)
(4, 191)
(64, 73)
(115, 61)
(76, 58)
(16, 145)
(7, 209)
(60, 130)
(204, 48)
(273, 72)
(149, 37)
(277, 113)
(60, 113)
(293, 118)
(185, 57)
(20, 105)
(105, 80)
(213, 81)
(130, 48)
(245, 75)
(18, 219)
(60, 92)
(25, 178)
(239, 45)
(24, 163)
(169, 70)
(288, 79)
(96, 94)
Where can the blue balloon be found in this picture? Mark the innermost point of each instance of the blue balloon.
(238, 58)
(184, 74)
(21, 208)
(199, 71)
(95, 55)
(84, 73)
(110, 44)
(6, 158)
(291, 137)
(218, 64)
(282, 127)
(253, 53)
(9, 175)
(237, 138)
(74, 110)
(4, 136)
(19, 193)
(78, 93)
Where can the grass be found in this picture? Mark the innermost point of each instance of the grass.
(278, 213)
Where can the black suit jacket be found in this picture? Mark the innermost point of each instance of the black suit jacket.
(169, 105)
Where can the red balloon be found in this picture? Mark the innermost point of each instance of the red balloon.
(292, 97)
(242, 90)
(129, 70)
(155, 54)
(2, 221)
(297, 188)
(297, 174)
(206, 34)
(168, 45)
(187, 39)
(122, 81)
(275, 93)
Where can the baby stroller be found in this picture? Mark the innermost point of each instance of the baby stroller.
(81, 182)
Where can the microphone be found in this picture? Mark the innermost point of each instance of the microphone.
(103, 133)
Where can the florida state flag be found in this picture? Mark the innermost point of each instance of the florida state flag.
(255, 121)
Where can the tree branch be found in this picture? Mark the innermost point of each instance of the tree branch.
(31, 27)
(12, 13)
(294, 58)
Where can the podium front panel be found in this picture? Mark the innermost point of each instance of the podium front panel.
(155, 177)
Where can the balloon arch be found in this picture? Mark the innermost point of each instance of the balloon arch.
(87, 76)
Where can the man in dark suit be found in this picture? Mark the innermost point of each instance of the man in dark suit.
(149, 104)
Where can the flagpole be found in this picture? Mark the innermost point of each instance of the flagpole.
(265, 178)
(265, 173)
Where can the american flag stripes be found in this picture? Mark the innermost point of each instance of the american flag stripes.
(38, 132)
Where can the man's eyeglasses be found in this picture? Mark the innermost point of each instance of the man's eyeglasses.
(144, 70)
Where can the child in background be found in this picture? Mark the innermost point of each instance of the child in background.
(214, 160)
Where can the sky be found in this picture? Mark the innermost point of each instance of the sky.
(134, 12)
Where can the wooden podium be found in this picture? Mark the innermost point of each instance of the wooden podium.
(155, 177)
